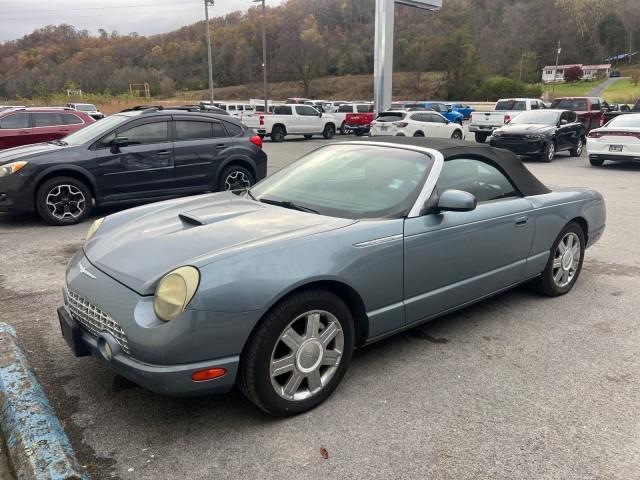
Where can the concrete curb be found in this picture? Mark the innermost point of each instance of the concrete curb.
(35, 441)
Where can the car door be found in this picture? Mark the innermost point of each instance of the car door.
(200, 145)
(142, 168)
(313, 122)
(48, 126)
(453, 258)
(15, 130)
(439, 125)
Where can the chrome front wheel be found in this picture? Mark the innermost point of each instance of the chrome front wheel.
(306, 355)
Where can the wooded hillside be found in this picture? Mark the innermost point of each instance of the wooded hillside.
(468, 42)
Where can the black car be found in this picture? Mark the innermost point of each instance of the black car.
(135, 155)
(542, 133)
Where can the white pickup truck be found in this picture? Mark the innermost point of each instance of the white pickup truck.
(292, 120)
(484, 123)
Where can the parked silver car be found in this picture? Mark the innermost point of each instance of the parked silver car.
(273, 289)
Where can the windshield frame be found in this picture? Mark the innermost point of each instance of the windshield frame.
(104, 127)
(412, 205)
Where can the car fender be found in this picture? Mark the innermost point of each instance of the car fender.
(62, 169)
(236, 158)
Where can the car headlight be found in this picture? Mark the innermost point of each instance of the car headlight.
(10, 168)
(174, 292)
(94, 228)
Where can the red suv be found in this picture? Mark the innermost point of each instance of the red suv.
(23, 126)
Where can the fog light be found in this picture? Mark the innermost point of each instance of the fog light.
(107, 346)
(208, 374)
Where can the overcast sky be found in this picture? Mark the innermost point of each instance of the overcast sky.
(20, 17)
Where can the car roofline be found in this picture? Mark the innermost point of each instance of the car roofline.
(429, 184)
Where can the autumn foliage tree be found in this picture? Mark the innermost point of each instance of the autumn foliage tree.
(573, 74)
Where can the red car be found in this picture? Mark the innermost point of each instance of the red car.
(24, 126)
(590, 110)
(359, 123)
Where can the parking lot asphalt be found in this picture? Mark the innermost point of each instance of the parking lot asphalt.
(519, 386)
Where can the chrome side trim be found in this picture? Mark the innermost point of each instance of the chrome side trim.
(379, 241)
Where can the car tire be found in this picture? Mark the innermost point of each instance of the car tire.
(481, 137)
(562, 270)
(576, 152)
(234, 178)
(457, 135)
(329, 132)
(344, 130)
(308, 374)
(63, 201)
(419, 134)
(308, 137)
(278, 133)
(549, 152)
(596, 162)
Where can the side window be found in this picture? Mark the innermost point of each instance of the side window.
(233, 129)
(363, 108)
(484, 181)
(71, 119)
(307, 111)
(188, 130)
(15, 121)
(218, 130)
(282, 110)
(345, 109)
(148, 133)
(535, 106)
(231, 108)
(596, 105)
(49, 119)
(437, 118)
(417, 117)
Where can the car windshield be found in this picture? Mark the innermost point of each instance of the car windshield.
(537, 118)
(625, 121)
(95, 130)
(350, 181)
(86, 107)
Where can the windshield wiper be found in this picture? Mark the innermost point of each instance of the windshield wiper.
(288, 204)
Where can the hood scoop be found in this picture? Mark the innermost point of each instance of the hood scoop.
(206, 215)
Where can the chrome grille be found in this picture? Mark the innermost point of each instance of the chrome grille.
(93, 318)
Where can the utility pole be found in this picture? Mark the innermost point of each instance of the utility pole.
(555, 72)
(264, 55)
(206, 14)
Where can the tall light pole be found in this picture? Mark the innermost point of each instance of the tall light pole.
(206, 14)
(555, 72)
(264, 54)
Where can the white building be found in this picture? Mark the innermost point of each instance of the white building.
(551, 73)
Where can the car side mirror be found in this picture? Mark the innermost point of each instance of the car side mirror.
(563, 122)
(320, 114)
(117, 143)
(447, 122)
(457, 201)
(449, 109)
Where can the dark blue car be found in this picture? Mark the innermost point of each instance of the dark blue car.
(443, 109)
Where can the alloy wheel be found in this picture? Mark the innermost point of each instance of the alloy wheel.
(566, 260)
(579, 147)
(551, 152)
(306, 355)
(237, 180)
(65, 201)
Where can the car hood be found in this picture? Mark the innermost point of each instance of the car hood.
(525, 128)
(139, 246)
(28, 151)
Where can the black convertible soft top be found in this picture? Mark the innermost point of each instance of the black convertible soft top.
(507, 162)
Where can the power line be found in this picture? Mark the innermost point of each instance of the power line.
(83, 9)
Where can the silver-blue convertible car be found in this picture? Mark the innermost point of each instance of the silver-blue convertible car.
(272, 289)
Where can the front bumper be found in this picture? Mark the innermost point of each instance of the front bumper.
(524, 147)
(156, 355)
(16, 194)
(164, 379)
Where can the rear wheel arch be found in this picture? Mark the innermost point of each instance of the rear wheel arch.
(583, 225)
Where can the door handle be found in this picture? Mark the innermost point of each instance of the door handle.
(24, 132)
(221, 146)
(163, 152)
(521, 221)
